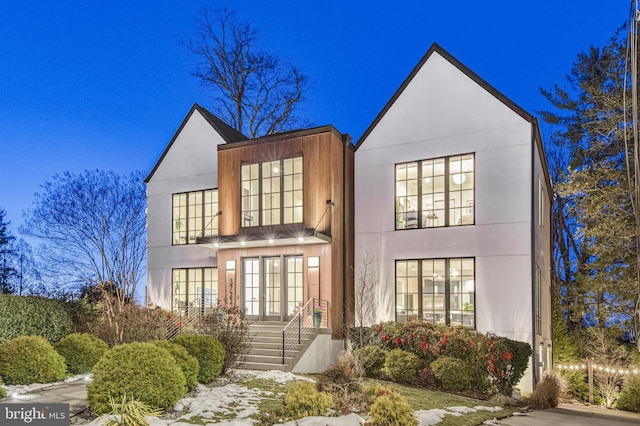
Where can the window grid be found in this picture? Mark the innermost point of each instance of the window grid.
(446, 295)
(435, 193)
(295, 275)
(194, 215)
(272, 192)
(194, 288)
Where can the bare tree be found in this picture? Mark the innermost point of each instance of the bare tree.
(365, 302)
(604, 349)
(92, 226)
(256, 92)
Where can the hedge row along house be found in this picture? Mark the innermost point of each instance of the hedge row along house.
(445, 197)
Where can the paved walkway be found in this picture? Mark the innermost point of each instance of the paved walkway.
(574, 415)
(72, 393)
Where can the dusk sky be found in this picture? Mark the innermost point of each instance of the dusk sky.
(105, 85)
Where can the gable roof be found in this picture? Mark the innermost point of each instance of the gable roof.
(456, 63)
(226, 132)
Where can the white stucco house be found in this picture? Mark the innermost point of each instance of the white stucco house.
(445, 197)
(452, 202)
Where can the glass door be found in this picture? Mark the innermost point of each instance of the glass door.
(272, 289)
(251, 287)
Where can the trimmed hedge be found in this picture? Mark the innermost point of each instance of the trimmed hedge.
(629, 398)
(33, 316)
(401, 366)
(81, 351)
(207, 350)
(141, 371)
(30, 359)
(2, 392)
(451, 373)
(187, 362)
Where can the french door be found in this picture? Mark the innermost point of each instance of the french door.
(272, 287)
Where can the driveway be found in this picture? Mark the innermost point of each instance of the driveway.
(574, 415)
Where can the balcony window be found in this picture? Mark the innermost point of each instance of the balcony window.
(194, 215)
(434, 193)
(272, 192)
(436, 290)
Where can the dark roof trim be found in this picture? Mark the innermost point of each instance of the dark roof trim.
(225, 131)
(287, 135)
(472, 75)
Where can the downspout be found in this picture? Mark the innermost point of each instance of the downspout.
(345, 232)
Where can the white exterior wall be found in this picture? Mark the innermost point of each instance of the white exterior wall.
(443, 112)
(191, 164)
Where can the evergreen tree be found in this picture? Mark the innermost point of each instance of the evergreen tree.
(595, 235)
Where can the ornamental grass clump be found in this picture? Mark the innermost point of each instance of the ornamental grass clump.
(30, 359)
(208, 351)
(142, 371)
(547, 392)
(129, 412)
(187, 362)
(81, 351)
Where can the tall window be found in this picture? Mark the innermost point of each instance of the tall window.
(195, 289)
(436, 290)
(540, 202)
(436, 192)
(538, 301)
(272, 192)
(194, 215)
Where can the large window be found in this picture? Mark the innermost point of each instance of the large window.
(436, 290)
(538, 301)
(195, 214)
(272, 192)
(195, 289)
(436, 192)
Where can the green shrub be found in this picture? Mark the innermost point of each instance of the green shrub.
(30, 359)
(143, 371)
(391, 409)
(629, 398)
(2, 391)
(230, 327)
(207, 350)
(507, 360)
(401, 366)
(451, 373)
(577, 384)
(547, 392)
(187, 363)
(81, 351)
(304, 400)
(33, 316)
(129, 412)
(371, 360)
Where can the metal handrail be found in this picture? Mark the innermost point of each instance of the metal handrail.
(302, 323)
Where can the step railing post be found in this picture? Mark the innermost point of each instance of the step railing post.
(283, 347)
(299, 328)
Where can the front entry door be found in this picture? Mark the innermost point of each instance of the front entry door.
(272, 287)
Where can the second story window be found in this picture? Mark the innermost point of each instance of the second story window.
(272, 192)
(436, 192)
(194, 215)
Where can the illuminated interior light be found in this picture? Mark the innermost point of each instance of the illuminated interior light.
(242, 243)
(270, 241)
(458, 178)
(301, 239)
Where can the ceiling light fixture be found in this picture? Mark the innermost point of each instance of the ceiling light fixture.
(459, 178)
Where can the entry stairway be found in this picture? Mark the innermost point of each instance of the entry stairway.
(267, 347)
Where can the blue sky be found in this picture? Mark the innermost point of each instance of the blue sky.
(88, 84)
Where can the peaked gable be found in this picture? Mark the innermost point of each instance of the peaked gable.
(435, 48)
(226, 132)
